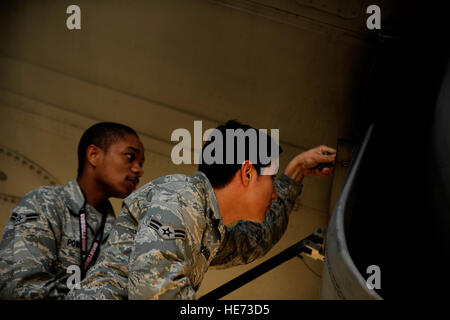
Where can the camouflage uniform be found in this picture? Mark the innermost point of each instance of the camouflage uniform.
(42, 238)
(169, 232)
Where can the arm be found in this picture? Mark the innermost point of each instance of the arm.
(161, 268)
(247, 241)
(28, 251)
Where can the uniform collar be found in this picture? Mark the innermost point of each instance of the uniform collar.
(74, 200)
(212, 206)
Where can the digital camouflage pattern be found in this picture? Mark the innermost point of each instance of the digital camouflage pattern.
(169, 232)
(42, 239)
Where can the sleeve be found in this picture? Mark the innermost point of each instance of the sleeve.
(161, 259)
(247, 240)
(28, 252)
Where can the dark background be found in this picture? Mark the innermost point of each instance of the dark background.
(403, 192)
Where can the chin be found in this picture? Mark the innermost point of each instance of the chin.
(123, 193)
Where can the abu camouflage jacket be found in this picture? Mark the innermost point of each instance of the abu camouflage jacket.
(169, 232)
(42, 239)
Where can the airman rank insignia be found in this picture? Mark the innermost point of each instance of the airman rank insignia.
(19, 218)
(167, 232)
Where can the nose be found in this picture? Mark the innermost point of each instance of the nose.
(138, 170)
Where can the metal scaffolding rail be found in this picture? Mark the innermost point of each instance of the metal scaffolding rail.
(311, 245)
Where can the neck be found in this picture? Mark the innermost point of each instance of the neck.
(93, 192)
(229, 208)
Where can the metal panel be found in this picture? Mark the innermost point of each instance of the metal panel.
(341, 279)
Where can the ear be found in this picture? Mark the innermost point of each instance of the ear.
(246, 172)
(94, 155)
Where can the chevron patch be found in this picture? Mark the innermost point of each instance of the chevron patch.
(167, 232)
(19, 218)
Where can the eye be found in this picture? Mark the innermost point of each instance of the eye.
(131, 156)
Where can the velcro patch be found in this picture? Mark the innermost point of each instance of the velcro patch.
(19, 218)
(167, 232)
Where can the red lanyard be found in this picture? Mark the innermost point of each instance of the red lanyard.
(88, 259)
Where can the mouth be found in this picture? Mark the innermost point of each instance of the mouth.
(134, 181)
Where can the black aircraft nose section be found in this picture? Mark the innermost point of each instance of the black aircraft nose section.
(389, 234)
(343, 277)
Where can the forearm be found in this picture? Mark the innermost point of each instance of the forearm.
(26, 276)
(28, 251)
(295, 172)
(36, 284)
(169, 284)
(248, 240)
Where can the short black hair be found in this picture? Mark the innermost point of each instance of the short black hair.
(220, 174)
(102, 135)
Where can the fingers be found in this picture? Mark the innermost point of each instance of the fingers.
(319, 173)
(322, 173)
(326, 158)
(324, 149)
(325, 154)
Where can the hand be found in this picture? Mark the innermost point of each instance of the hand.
(304, 163)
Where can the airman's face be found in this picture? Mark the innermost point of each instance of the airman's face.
(121, 166)
(262, 193)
